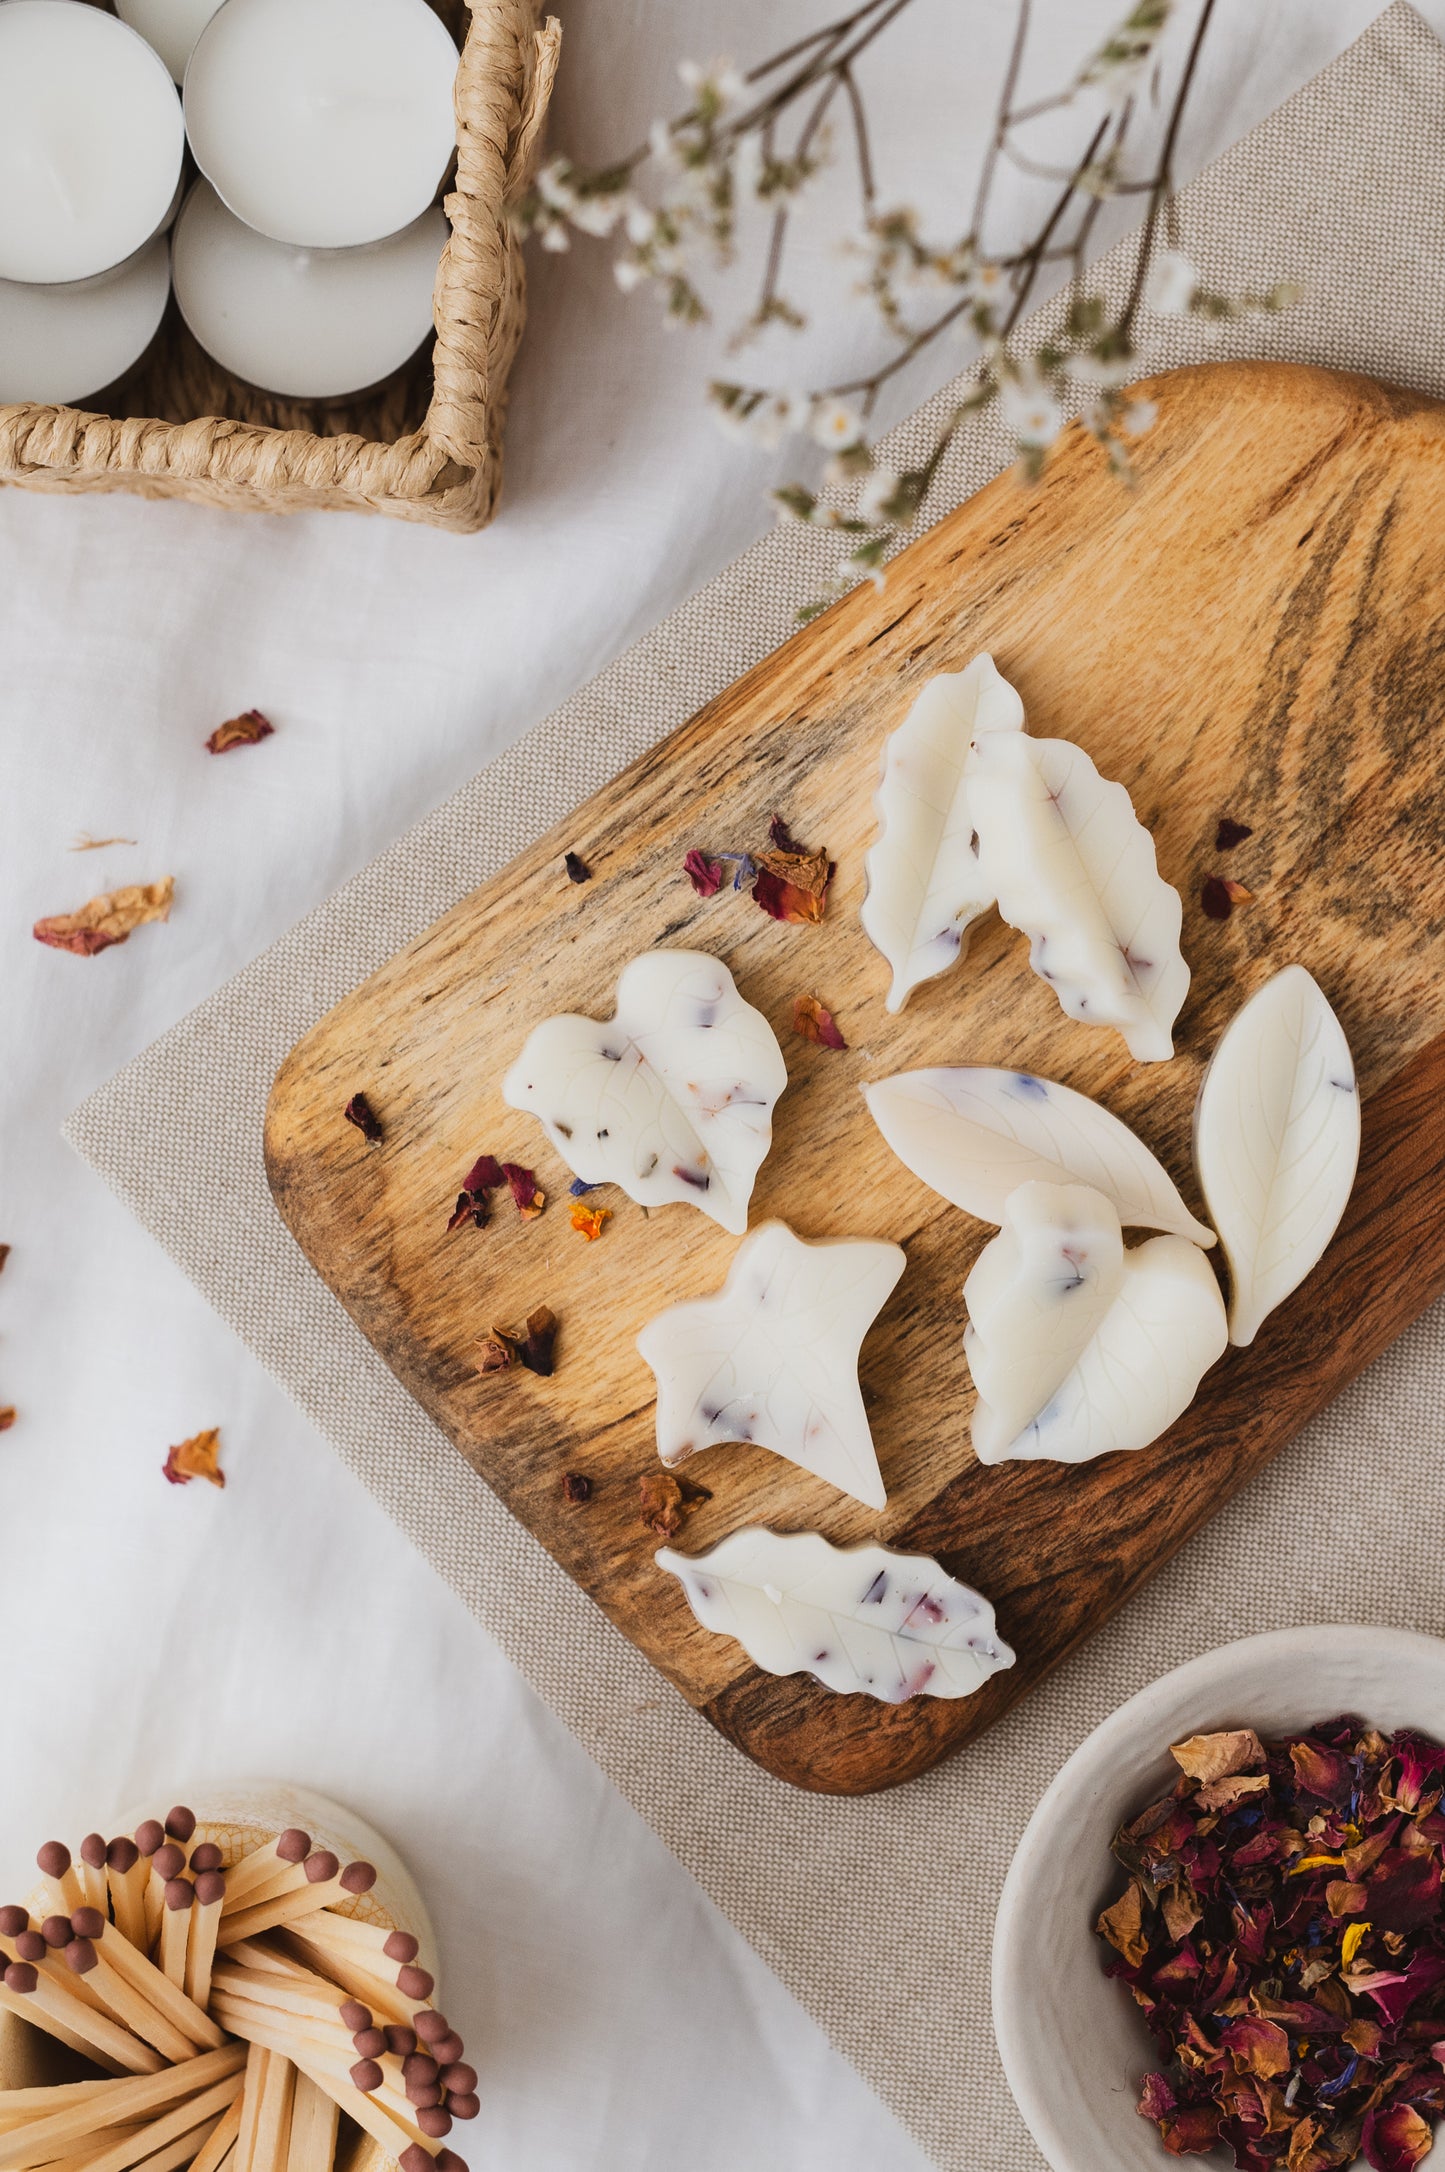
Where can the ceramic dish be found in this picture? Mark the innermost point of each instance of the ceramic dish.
(1073, 2047)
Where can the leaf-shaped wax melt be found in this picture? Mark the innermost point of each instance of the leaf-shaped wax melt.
(671, 1098)
(772, 1358)
(860, 1619)
(1076, 1346)
(1276, 1142)
(924, 882)
(1071, 865)
(975, 1135)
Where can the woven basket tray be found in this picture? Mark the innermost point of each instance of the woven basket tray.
(427, 445)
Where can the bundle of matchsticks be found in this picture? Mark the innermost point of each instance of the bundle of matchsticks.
(239, 2012)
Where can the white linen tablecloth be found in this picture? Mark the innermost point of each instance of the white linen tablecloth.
(157, 1636)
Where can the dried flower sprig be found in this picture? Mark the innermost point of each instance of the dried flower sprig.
(760, 137)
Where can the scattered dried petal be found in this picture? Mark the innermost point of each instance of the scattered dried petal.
(577, 868)
(198, 1457)
(1218, 1757)
(240, 731)
(1395, 2139)
(105, 921)
(8, 1416)
(470, 1207)
(4, 1255)
(792, 883)
(703, 873)
(813, 1023)
(1123, 1925)
(485, 1175)
(1230, 833)
(1215, 900)
(666, 1502)
(360, 1112)
(525, 1189)
(86, 843)
(588, 1221)
(576, 1486)
(531, 1347)
(579, 1190)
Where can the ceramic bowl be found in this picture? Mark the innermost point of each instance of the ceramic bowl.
(1073, 2047)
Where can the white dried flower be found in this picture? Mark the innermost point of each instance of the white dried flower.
(1139, 416)
(629, 274)
(719, 80)
(835, 424)
(553, 186)
(661, 143)
(1173, 284)
(850, 571)
(880, 487)
(1032, 413)
(639, 222)
(597, 214)
(554, 237)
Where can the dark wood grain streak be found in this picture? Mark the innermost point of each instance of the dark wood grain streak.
(1257, 629)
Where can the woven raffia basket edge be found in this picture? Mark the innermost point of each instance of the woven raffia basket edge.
(446, 474)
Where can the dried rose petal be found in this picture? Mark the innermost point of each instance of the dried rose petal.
(792, 883)
(576, 1486)
(532, 1346)
(588, 1221)
(666, 1502)
(360, 1112)
(240, 731)
(1218, 1756)
(525, 1189)
(485, 1175)
(1123, 1925)
(1395, 2138)
(704, 874)
(107, 920)
(470, 1207)
(1256, 2046)
(1230, 833)
(577, 868)
(8, 1416)
(811, 1022)
(4, 1255)
(198, 1457)
(1214, 898)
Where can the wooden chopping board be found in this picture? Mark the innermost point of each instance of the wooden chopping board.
(1256, 630)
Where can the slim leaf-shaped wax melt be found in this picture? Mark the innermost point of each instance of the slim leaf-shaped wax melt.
(975, 1135)
(772, 1357)
(671, 1098)
(860, 1619)
(1071, 865)
(1276, 1142)
(924, 881)
(1076, 1346)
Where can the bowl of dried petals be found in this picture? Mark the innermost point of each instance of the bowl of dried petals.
(1223, 1933)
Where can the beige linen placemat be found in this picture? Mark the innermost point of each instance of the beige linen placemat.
(876, 1913)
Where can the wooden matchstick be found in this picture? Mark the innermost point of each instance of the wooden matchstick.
(257, 2060)
(394, 2129)
(90, 1870)
(167, 1862)
(150, 1838)
(196, 2112)
(223, 2135)
(272, 2141)
(61, 1886)
(36, 1995)
(371, 1990)
(126, 2003)
(53, 2128)
(205, 1924)
(323, 2003)
(389, 1955)
(158, 1991)
(315, 2116)
(246, 1880)
(183, 2151)
(324, 1881)
(180, 1896)
(126, 1876)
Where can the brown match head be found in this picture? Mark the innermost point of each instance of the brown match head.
(206, 1856)
(149, 1836)
(418, 2068)
(180, 1822)
(355, 2015)
(367, 2075)
(293, 1846)
(447, 2050)
(447, 2160)
(425, 2096)
(81, 1956)
(459, 2080)
(369, 2044)
(464, 2104)
(210, 1888)
(21, 1976)
(54, 1859)
(401, 1946)
(434, 2122)
(14, 1920)
(122, 1855)
(30, 1946)
(92, 1851)
(401, 2043)
(321, 1867)
(56, 1931)
(179, 1894)
(169, 1861)
(416, 2159)
(415, 1983)
(358, 1877)
(87, 1923)
(431, 2026)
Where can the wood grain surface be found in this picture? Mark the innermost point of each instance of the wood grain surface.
(1257, 629)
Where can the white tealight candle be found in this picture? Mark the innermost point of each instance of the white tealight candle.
(60, 344)
(171, 26)
(91, 143)
(309, 323)
(326, 123)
